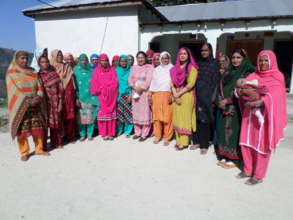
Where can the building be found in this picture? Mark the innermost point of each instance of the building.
(126, 26)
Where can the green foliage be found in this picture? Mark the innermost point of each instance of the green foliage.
(180, 2)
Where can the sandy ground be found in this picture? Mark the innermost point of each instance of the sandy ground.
(129, 181)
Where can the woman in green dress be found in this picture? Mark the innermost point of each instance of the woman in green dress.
(88, 104)
(229, 119)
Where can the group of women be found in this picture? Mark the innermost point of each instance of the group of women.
(199, 104)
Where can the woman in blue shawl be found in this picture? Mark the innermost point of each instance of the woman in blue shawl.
(88, 104)
(94, 59)
(124, 109)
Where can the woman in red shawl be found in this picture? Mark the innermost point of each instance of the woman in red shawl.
(104, 84)
(258, 139)
(53, 94)
(150, 53)
(115, 61)
(66, 76)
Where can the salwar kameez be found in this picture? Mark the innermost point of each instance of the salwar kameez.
(89, 104)
(104, 84)
(124, 107)
(184, 117)
(141, 110)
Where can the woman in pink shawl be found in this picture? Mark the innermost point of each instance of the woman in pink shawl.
(139, 80)
(104, 84)
(259, 139)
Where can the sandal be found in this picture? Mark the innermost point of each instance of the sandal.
(166, 143)
(203, 151)
(135, 137)
(194, 147)
(43, 154)
(24, 158)
(156, 141)
(179, 148)
(142, 139)
(253, 181)
(242, 175)
(82, 139)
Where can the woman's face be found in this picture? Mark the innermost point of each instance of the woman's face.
(45, 53)
(59, 57)
(44, 64)
(264, 63)
(165, 59)
(222, 62)
(150, 59)
(131, 60)
(205, 51)
(237, 59)
(123, 62)
(157, 61)
(84, 61)
(104, 62)
(183, 56)
(141, 60)
(22, 60)
(115, 62)
(94, 61)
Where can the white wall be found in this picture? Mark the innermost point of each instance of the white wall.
(82, 32)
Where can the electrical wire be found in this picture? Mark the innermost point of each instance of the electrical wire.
(46, 3)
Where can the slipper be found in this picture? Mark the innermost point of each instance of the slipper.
(242, 175)
(253, 181)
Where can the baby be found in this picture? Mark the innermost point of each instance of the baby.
(260, 90)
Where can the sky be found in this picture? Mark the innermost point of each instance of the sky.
(16, 30)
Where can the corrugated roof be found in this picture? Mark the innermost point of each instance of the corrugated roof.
(228, 10)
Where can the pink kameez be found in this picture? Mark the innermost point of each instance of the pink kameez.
(104, 84)
(258, 140)
(141, 110)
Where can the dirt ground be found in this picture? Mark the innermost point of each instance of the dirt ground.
(127, 180)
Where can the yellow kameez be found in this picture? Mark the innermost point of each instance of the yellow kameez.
(184, 118)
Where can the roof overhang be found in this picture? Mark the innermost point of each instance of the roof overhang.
(33, 13)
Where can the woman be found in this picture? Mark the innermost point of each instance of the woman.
(183, 77)
(224, 62)
(53, 93)
(38, 52)
(161, 99)
(94, 61)
(69, 60)
(66, 76)
(131, 60)
(26, 109)
(228, 128)
(150, 54)
(156, 60)
(206, 85)
(140, 80)
(87, 103)
(104, 84)
(115, 61)
(124, 109)
(259, 140)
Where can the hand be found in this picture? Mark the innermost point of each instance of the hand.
(176, 95)
(170, 100)
(128, 99)
(251, 93)
(150, 99)
(249, 105)
(139, 90)
(78, 103)
(178, 101)
(59, 107)
(222, 104)
(35, 100)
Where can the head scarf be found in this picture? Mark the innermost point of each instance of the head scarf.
(68, 56)
(178, 74)
(38, 52)
(156, 55)
(150, 53)
(123, 75)
(80, 65)
(64, 71)
(161, 77)
(50, 77)
(22, 84)
(115, 58)
(275, 111)
(93, 57)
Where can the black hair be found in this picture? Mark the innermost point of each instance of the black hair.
(209, 46)
(240, 51)
(141, 52)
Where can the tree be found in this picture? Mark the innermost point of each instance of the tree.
(180, 2)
